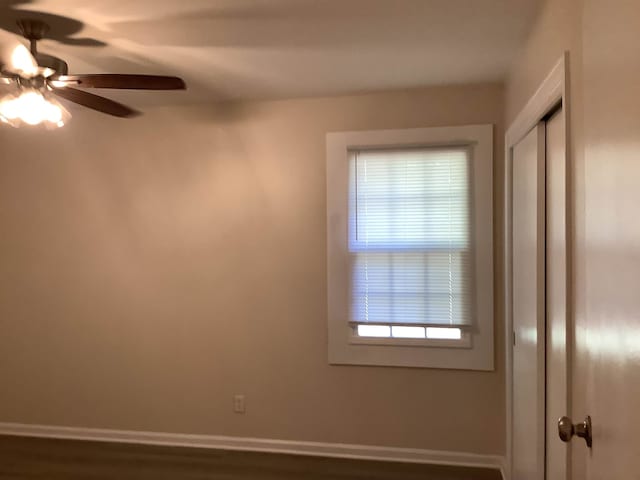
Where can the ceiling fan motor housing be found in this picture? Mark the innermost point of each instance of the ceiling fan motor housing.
(36, 83)
(56, 64)
(32, 29)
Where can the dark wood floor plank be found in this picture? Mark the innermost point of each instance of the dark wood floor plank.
(48, 459)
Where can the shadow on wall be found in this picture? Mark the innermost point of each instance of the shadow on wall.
(62, 28)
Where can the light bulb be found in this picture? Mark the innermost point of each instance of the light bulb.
(22, 61)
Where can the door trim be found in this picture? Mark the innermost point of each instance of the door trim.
(553, 90)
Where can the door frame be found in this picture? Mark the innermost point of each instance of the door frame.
(553, 90)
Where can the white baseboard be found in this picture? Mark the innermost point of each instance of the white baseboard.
(338, 450)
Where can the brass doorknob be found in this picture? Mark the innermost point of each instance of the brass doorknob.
(566, 430)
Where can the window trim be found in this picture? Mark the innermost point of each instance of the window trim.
(343, 348)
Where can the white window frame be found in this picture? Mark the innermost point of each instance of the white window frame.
(475, 350)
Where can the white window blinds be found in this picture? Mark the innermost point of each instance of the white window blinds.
(410, 237)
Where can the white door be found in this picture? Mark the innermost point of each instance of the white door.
(528, 276)
(607, 316)
(539, 275)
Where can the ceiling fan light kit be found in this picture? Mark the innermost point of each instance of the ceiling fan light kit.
(31, 107)
(38, 78)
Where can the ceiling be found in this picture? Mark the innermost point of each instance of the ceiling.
(247, 49)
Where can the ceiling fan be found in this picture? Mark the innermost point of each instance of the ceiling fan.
(39, 77)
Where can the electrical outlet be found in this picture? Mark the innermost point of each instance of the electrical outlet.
(238, 404)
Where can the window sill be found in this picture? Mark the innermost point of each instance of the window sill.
(465, 342)
(346, 349)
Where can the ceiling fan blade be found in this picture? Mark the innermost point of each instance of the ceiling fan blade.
(95, 102)
(116, 80)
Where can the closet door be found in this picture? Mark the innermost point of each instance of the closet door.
(557, 387)
(528, 264)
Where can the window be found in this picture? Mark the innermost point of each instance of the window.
(409, 247)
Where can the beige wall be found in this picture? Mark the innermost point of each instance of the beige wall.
(150, 269)
(556, 30)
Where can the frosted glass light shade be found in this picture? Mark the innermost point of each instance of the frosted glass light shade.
(31, 107)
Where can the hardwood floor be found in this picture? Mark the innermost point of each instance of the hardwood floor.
(34, 458)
